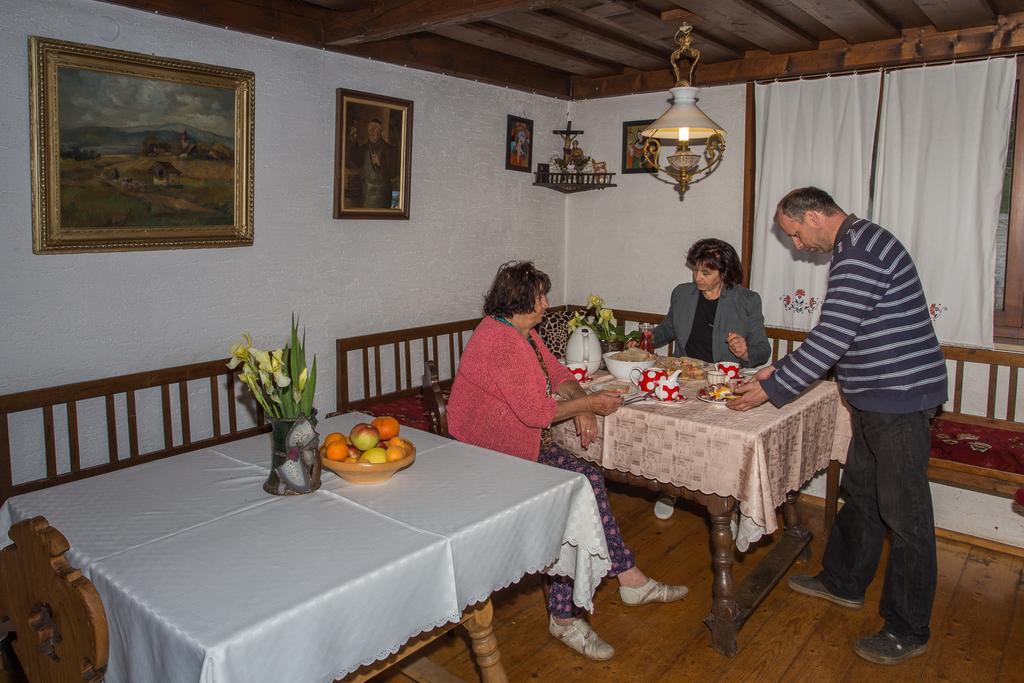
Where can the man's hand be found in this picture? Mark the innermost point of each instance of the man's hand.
(737, 345)
(752, 395)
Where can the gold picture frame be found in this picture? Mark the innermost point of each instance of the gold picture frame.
(135, 152)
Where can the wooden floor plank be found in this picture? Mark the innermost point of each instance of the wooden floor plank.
(952, 561)
(1012, 668)
(968, 646)
(978, 615)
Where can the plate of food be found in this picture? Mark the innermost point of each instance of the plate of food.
(691, 367)
(717, 394)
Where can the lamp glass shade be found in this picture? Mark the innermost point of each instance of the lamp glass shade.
(684, 113)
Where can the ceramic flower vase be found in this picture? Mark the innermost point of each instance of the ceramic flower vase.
(295, 460)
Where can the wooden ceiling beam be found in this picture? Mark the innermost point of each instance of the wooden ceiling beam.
(529, 48)
(446, 56)
(855, 21)
(749, 21)
(381, 21)
(629, 15)
(947, 15)
(588, 40)
(289, 20)
(914, 46)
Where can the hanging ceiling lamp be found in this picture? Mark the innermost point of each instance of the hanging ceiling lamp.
(684, 123)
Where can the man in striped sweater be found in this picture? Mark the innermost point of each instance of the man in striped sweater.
(876, 330)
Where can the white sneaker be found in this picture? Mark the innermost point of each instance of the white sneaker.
(578, 635)
(665, 506)
(652, 591)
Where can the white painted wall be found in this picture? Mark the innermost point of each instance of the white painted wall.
(74, 317)
(629, 243)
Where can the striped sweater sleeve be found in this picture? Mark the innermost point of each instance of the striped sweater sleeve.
(857, 281)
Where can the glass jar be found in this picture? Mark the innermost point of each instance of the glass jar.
(647, 337)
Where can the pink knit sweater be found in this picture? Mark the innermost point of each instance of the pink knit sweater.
(498, 398)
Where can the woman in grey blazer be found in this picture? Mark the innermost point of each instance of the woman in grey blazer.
(714, 318)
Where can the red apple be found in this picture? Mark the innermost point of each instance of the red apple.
(364, 436)
(353, 452)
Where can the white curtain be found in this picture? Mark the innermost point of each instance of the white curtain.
(809, 132)
(939, 179)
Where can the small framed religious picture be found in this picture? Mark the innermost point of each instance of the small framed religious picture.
(372, 168)
(633, 147)
(518, 144)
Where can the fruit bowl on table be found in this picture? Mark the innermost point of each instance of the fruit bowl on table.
(620, 369)
(366, 472)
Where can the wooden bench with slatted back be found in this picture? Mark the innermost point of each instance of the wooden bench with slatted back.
(171, 382)
(993, 365)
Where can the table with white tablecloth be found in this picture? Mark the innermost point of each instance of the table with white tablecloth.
(205, 577)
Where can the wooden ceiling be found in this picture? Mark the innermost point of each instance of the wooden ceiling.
(599, 48)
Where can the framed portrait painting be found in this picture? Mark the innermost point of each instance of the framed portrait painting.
(518, 144)
(633, 147)
(373, 153)
(132, 151)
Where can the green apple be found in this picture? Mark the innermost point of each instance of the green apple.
(364, 436)
(374, 455)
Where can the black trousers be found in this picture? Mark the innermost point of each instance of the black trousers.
(886, 485)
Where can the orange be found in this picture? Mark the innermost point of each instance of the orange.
(336, 450)
(399, 441)
(335, 436)
(387, 427)
(396, 452)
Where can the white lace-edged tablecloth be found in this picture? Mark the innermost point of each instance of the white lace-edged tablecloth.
(205, 577)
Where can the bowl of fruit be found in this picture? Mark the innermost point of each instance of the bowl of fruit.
(370, 454)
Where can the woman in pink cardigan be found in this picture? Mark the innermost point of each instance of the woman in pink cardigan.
(503, 398)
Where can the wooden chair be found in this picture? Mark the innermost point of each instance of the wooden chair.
(56, 613)
(433, 399)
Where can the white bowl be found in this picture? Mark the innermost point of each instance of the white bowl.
(620, 369)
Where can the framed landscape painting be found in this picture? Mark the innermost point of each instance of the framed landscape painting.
(518, 144)
(372, 160)
(132, 151)
(633, 147)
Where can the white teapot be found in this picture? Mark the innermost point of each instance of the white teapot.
(584, 347)
(667, 388)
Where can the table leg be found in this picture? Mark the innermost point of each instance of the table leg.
(485, 645)
(724, 610)
(794, 526)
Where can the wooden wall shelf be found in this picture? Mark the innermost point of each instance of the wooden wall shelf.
(573, 182)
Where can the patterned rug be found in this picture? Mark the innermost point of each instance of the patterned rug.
(997, 449)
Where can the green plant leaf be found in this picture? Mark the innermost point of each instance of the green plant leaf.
(306, 407)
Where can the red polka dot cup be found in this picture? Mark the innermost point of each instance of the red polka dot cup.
(730, 369)
(579, 371)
